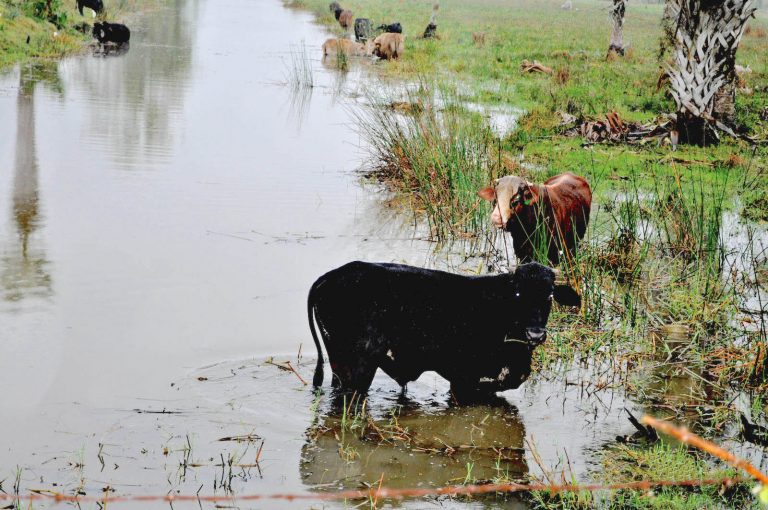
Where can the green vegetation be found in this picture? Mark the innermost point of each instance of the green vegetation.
(46, 29)
(659, 462)
(673, 260)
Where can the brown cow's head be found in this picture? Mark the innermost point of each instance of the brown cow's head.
(511, 195)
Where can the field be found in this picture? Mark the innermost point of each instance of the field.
(673, 267)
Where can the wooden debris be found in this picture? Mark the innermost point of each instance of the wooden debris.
(526, 66)
(645, 432)
(566, 119)
(613, 129)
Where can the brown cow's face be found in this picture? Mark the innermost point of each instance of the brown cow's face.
(511, 194)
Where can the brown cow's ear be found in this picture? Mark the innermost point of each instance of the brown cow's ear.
(488, 193)
(565, 295)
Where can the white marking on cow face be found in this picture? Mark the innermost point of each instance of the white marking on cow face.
(507, 190)
(503, 374)
(390, 355)
(486, 380)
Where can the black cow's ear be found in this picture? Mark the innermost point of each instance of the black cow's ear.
(565, 295)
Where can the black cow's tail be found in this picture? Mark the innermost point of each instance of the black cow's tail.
(317, 380)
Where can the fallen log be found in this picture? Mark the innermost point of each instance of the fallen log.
(526, 66)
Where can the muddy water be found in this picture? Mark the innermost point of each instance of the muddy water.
(167, 208)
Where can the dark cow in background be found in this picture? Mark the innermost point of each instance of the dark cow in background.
(96, 5)
(478, 332)
(345, 18)
(392, 28)
(111, 32)
(363, 29)
(335, 7)
(431, 30)
(561, 206)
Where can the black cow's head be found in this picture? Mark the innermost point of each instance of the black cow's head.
(534, 290)
(98, 31)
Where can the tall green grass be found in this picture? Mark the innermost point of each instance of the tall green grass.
(430, 148)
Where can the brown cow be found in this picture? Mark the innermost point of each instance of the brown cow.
(346, 19)
(349, 48)
(389, 46)
(562, 202)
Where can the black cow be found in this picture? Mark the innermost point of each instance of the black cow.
(363, 30)
(478, 332)
(392, 28)
(111, 32)
(96, 5)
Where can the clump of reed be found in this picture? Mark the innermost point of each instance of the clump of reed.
(299, 74)
(438, 152)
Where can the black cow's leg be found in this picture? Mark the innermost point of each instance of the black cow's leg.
(394, 371)
(353, 374)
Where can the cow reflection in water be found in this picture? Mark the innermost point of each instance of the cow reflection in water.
(110, 50)
(413, 445)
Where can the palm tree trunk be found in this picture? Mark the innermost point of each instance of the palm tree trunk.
(704, 35)
(617, 34)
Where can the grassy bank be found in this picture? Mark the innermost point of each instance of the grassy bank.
(485, 74)
(31, 29)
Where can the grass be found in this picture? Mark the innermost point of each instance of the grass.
(436, 152)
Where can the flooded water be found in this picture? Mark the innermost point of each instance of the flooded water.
(163, 213)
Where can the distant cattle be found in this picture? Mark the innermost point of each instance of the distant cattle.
(389, 46)
(111, 32)
(478, 332)
(96, 5)
(550, 217)
(363, 30)
(392, 28)
(334, 7)
(346, 18)
(345, 46)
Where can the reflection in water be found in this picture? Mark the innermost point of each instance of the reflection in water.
(141, 91)
(111, 50)
(299, 101)
(24, 268)
(415, 446)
